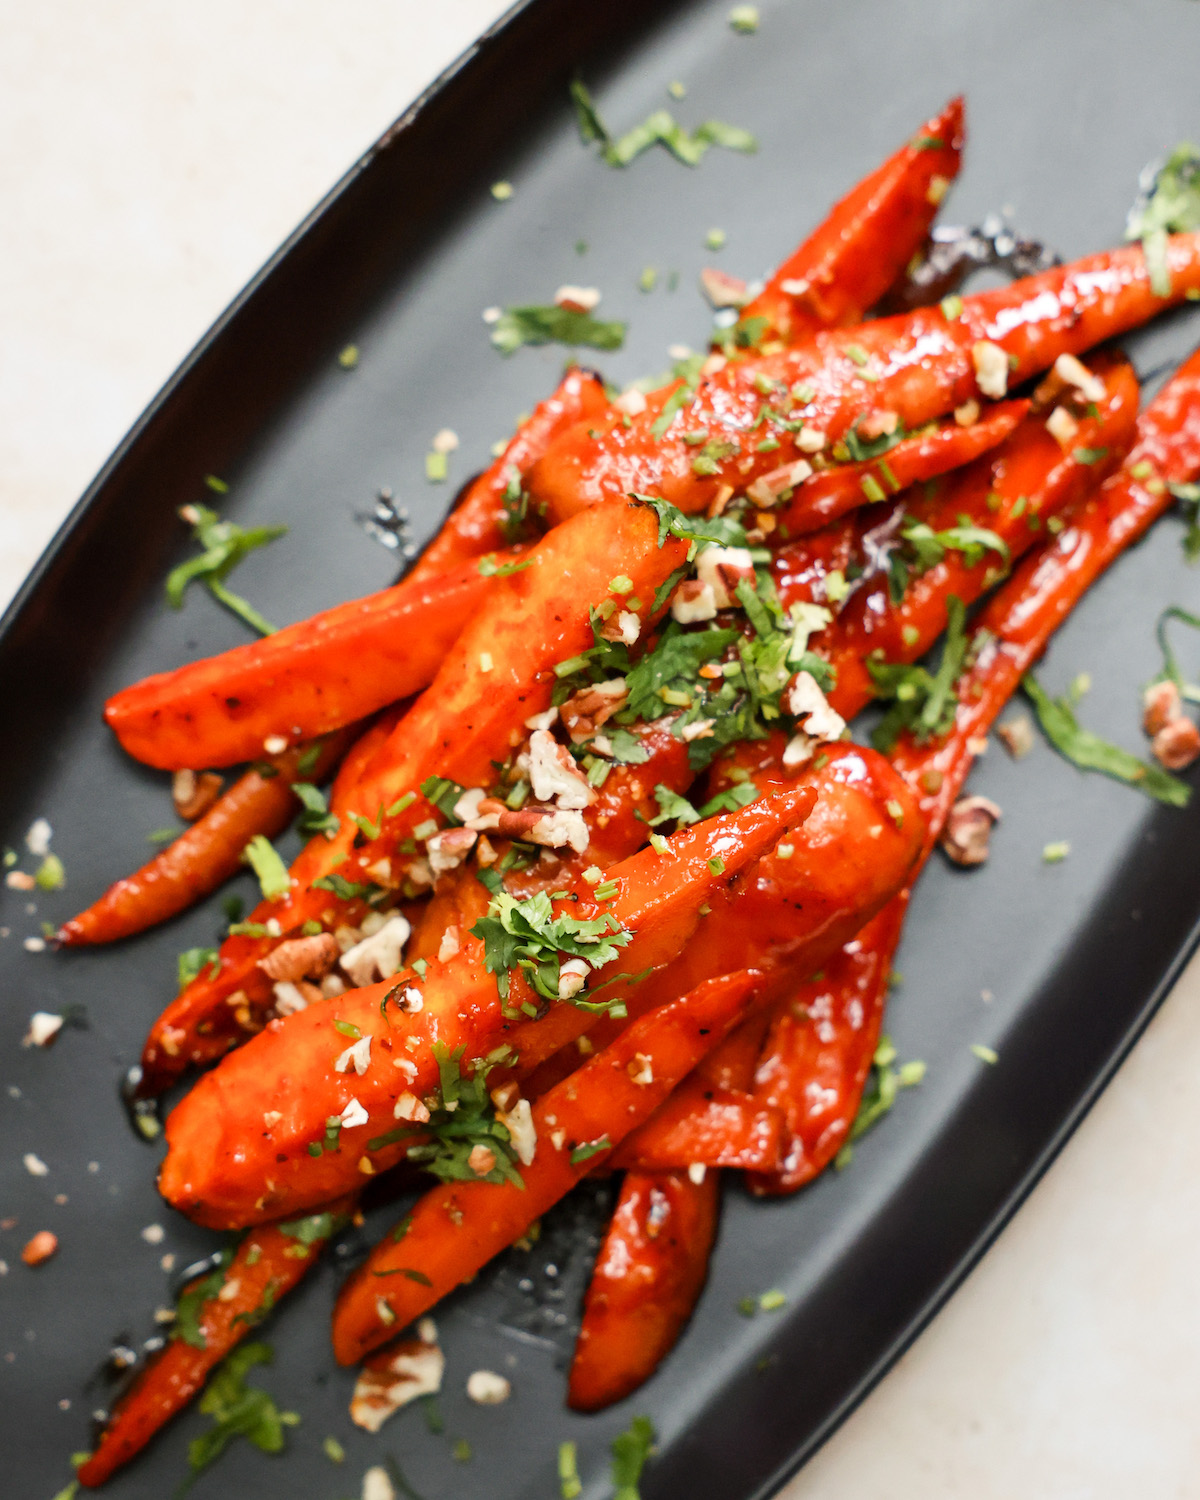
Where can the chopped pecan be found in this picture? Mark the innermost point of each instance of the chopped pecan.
(1161, 704)
(194, 794)
(1177, 744)
(302, 958)
(968, 829)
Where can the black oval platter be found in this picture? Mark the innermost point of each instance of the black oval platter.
(1065, 105)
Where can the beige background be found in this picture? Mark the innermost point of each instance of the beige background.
(152, 155)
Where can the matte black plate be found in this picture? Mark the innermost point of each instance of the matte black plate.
(1066, 104)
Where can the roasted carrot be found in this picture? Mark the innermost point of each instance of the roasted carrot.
(866, 241)
(917, 366)
(487, 517)
(787, 908)
(649, 1274)
(830, 493)
(267, 1264)
(305, 680)
(456, 1228)
(209, 852)
(819, 1084)
(1028, 481)
(701, 1125)
(225, 1170)
(499, 672)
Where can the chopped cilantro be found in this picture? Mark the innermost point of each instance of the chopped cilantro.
(263, 858)
(192, 960)
(1091, 753)
(1171, 667)
(569, 1483)
(239, 1410)
(502, 191)
(314, 1229)
(922, 703)
(316, 817)
(50, 875)
(658, 128)
(490, 568)
(880, 1094)
(648, 280)
(923, 548)
(1089, 455)
(672, 806)
(551, 324)
(224, 544)
(163, 835)
(464, 1117)
(437, 467)
(744, 19)
(334, 1451)
(587, 1149)
(984, 1053)
(443, 794)
(461, 1452)
(1170, 204)
(1188, 496)
(591, 126)
(630, 1450)
(528, 935)
(348, 890)
(191, 1302)
(861, 450)
(1054, 853)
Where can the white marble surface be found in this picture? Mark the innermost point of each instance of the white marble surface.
(151, 156)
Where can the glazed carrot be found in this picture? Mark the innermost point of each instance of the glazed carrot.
(499, 672)
(814, 1072)
(649, 1274)
(830, 493)
(208, 852)
(919, 366)
(267, 1264)
(850, 857)
(482, 521)
(1013, 491)
(1019, 621)
(456, 1228)
(869, 237)
(704, 1126)
(305, 680)
(225, 1170)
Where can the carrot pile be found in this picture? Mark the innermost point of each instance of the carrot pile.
(601, 883)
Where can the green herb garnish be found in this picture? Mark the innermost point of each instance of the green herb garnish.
(193, 960)
(551, 324)
(263, 858)
(224, 544)
(1091, 753)
(528, 935)
(880, 1094)
(239, 1410)
(630, 1450)
(1170, 205)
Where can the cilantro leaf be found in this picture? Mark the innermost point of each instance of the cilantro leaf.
(263, 858)
(1091, 753)
(193, 960)
(192, 1299)
(238, 1410)
(923, 703)
(314, 1229)
(672, 806)
(1169, 203)
(591, 126)
(316, 817)
(536, 324)
(528, 935)
(1171, 667)
(463, 1118)
(885, 1083)
(224, 544)
(630, 1450)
